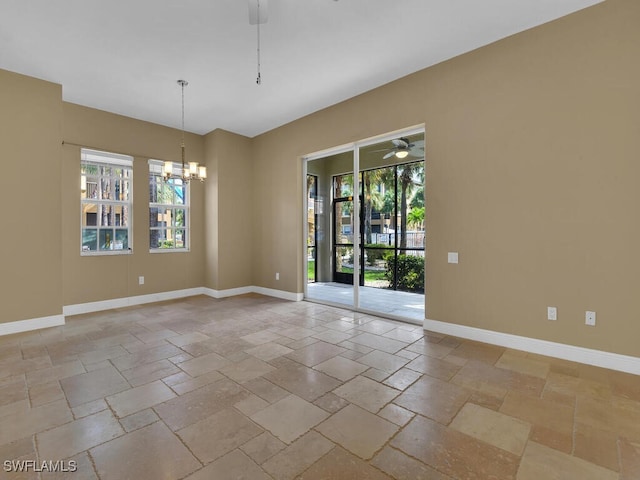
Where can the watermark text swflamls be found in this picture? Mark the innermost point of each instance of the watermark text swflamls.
(58, 466)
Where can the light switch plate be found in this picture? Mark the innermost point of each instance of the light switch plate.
(452, 257)
(590, 318)
(552, 313)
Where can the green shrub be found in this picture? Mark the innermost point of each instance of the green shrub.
(375, 255)
(410, 272)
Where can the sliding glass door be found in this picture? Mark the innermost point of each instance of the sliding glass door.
(370, 237)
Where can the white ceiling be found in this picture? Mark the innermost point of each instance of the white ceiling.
(125, 56)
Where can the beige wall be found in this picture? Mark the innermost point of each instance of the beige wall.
(532, 165)
(532, 170)
(230, 204)
(97, 278)
(30, 155)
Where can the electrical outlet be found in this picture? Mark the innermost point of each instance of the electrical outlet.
(452, 257)
(590, 319)
(552, 313)
(277, 275)
(140, 280)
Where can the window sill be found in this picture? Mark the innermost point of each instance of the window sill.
(101, 253)
(169, 250)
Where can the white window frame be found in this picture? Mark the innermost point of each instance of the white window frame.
(98, 159)
(156, 170)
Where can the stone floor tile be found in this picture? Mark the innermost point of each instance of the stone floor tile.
(552, 423)
(268, 351)
(396, 414)
(383, 361)
(139, 398)
(315, 353)
(302, 381)
(252, 404)
(204, 364)
(508, 379)
(366, 393)
(26, 422)
(377, 342)
(149, 372)
(83, 469)
(12, 393)
(433, 398)
(90, 386)
(540, 462)
(289, 418)
(188, 339)
(199, 404)
(57, 372)
(341, 368)
(358, 430)
(262, 447)
(149, 355)
(218, 434)
(261, 337)
(482, 352)
(502, 431)
(403, 467)
(331, 402)
(192, 384)
(298, 456)
(434, 367)
(89, 408)
(332, 336)
(454, 453)
(339, 463)
(233, 466)
(596, 446)
(144, 454)
(375, 374)
(246, 369)
(402, 379)
(74, 437)
(138, 420)
(266, 390)
(515, 361)
(629, 459)
(430, 349)
(43, 393)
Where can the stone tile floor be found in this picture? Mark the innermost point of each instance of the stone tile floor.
(259, 388)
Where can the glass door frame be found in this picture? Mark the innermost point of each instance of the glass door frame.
(357, 247)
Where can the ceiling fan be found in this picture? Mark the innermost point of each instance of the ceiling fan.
(403, 147)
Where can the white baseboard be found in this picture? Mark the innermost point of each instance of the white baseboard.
(229, 292)
(31, 324)
(130, 301)
(598, 358)
(270, 292)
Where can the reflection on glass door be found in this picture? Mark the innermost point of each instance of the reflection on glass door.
(343, 240)
(312, 231)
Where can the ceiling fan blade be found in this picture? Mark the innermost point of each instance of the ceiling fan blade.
(400, 142)
(418, 144)
(390, 154)
(416, 151)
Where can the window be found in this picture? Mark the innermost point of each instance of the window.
(168, 211)
(105, 202)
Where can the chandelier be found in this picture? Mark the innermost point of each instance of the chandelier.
(187, 170)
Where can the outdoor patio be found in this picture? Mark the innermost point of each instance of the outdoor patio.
(404, 305)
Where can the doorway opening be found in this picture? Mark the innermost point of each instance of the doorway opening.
(365, 233)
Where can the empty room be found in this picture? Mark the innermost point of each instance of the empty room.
(331, 239)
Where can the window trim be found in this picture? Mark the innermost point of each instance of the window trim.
(99, 158)
(155, 169)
